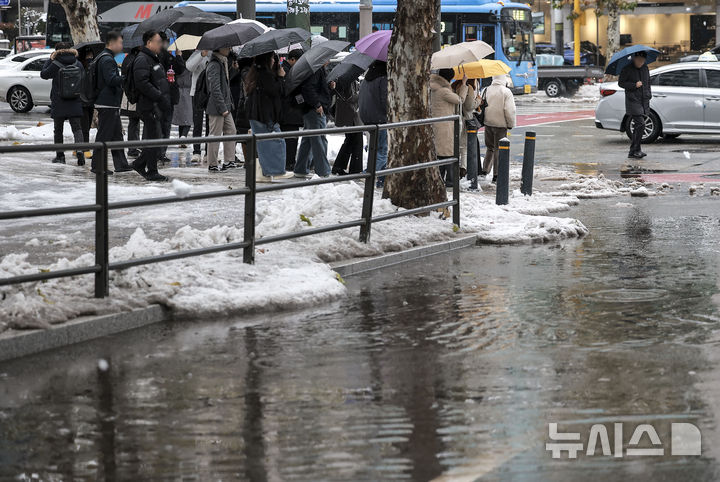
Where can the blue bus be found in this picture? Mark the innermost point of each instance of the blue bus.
(506, 26)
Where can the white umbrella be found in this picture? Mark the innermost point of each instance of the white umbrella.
(459, 54)
(185, 42)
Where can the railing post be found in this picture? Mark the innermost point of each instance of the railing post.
(369, 195)
(102, 256)
(249, 222)
(456, 172)
(528, 168)
(503, 180)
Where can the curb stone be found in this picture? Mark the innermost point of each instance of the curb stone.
(19, 343)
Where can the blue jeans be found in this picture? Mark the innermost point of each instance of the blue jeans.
(382, 155)
(315, 144)
(271, 152)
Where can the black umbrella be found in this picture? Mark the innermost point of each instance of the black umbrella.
(274, 40)
(231, 34)
(312, 61)
(95, 46)
(164, 20)
(130, 41)
(198, 24)
(350, 68)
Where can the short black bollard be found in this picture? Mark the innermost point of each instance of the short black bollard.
(503, 175)
(528, 168)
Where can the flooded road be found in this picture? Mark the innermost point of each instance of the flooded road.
(449, 367)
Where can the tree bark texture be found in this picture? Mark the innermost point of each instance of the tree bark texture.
(82, 19)
(409, 99)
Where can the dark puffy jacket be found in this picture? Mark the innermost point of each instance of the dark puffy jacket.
(637, 100)
(373, 95)
(265, 101)
(151, 82)
(316, 92)
(59, 107)
(109, 81)
(292, 112)
(346, 105)
(178, 65)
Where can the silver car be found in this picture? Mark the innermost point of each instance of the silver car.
(686, 100)
(20, 82)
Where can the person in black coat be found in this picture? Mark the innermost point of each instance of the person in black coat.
(109, 96)
(346, 115)
(316, 95)
(128, 109)
(177, 64)
(292, 116)
(635, 80)
(153, 103)
(86, 57)
(373, 109)
(62, 110)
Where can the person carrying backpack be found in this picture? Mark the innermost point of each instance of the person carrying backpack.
(67, 74)
(105, 84)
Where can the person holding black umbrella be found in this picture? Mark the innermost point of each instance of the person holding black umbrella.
(635, 80)
(219, 110)
(264, 88)
(292, 118)
(346, 115)
(174, 66)
(153, 103)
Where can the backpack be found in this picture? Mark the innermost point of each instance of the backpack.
(70, 80)
(202, 96)
(128, 84)
(480, 114)
(90, 88)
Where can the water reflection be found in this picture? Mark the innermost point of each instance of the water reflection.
(451, 366)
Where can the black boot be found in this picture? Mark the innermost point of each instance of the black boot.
(59, 159)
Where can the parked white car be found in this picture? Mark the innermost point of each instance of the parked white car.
(686, 100)
(20, 82)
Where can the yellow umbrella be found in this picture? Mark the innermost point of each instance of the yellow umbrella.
(481, 69)
(185, 42)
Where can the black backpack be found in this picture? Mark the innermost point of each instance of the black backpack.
(128, 84)
(202, 96)
(90, 88)
(70, 80)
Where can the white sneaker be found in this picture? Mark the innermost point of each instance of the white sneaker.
(287, 175)
(302, 176)
(195, 159)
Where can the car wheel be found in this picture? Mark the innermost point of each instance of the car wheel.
(554, 88)
(652, 128)
(20, 99)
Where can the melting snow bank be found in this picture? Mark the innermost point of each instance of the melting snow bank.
(287, 274)
(40, 133)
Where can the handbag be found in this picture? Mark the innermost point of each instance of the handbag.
(479, 114)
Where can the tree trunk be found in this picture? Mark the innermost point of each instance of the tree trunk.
(613, 11)
(82, 19)
(409, 99)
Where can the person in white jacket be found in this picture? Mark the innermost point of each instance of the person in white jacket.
(196, 64)
(499, 118)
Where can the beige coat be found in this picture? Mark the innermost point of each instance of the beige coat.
(444, 102)
(500, 110)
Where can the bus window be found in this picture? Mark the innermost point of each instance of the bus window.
(488, 36)
(471, 33)
(518, 40)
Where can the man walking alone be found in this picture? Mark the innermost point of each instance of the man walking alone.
(635, 80)
(219, 109)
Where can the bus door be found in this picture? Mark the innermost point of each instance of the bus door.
(486, 33)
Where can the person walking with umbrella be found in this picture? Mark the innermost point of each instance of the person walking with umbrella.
(372, 104)
(292, 116)
(346, 115)
(635, 80)
(174, 66)
(219, 109)
(264, 88)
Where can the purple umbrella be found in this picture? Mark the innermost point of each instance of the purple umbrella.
(375, 45)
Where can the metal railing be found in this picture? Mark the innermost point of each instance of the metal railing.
(102, 267)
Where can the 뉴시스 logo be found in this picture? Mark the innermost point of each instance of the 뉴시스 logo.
(685, 439)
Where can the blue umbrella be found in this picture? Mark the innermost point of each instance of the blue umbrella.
(624, 57)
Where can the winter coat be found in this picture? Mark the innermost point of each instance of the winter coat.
(471, 102)
(500, 110)
(218, 85)
(637, 100)
(265, 101)
(126, 107)
(183, 113)
(292, 112)
(59, 107)
(151, 83)
(109, 81)
(444, 102)
(316, 92)
(346, 105)
(178, 65)
(196, 64)
(241, 118)
(372, 101)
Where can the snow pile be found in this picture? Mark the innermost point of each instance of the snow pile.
(287, 274)
(593, 187)
(39, 133)
(586, 94)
